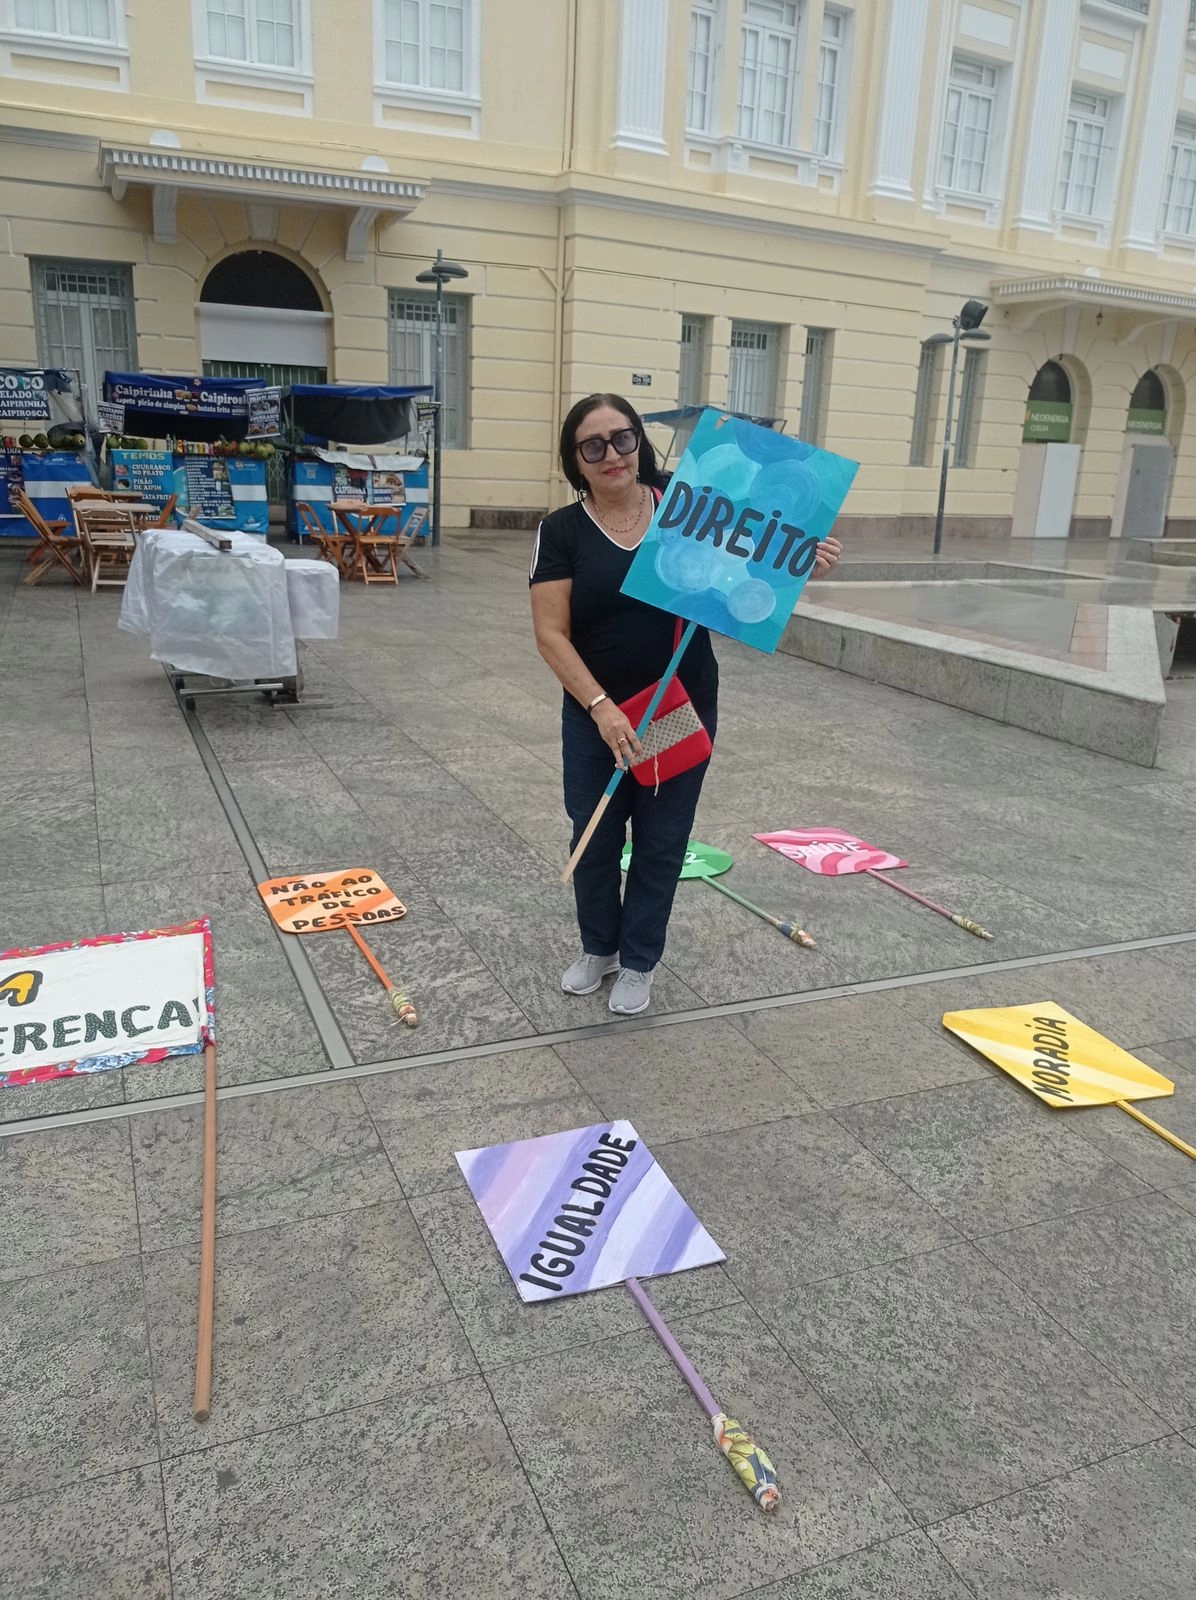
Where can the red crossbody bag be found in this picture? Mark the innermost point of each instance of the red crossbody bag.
(676, 738)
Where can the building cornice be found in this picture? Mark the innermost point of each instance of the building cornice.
(167, 172)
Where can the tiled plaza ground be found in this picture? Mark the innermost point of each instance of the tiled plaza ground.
(961, 1323)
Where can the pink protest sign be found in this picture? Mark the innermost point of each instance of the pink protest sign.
(828, 851)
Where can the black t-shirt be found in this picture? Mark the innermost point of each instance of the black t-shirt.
(625, 643)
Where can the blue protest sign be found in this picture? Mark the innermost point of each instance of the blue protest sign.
(734, 538)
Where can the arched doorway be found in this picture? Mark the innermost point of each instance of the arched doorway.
(1050, 463)
(1049, 406)
(262, 316)
(1147, 460)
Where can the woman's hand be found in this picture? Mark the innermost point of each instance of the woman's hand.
(618, 733)
(827, 559)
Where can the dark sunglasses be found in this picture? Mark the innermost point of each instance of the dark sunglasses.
(625, 440)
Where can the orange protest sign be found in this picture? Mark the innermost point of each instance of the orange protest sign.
(328, 900)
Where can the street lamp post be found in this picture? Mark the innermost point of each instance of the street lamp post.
(964, 326)
(439, 273)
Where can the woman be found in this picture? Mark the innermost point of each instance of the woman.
(604, 648)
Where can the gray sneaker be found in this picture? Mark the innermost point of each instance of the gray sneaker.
(587, 972)
(632, 992)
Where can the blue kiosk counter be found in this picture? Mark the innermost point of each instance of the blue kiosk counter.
(369, 423)
(217, 474)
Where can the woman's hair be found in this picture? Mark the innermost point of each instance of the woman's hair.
(648, 466)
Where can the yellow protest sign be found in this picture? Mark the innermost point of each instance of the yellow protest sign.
(1059, 1058)
(1062, 1060)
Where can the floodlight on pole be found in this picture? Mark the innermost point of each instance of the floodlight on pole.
(965, 325)
(439, 273)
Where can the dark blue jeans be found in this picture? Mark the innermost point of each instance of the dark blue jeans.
(633, 926)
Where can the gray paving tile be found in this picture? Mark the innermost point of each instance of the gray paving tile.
(101, 1538)
(32, 917)
(906, 1568)
(832, 1207)
(683, 1081)
(988, 1155)
(1133, 997)
(500, 1328)
(60, 1095)
(57, 863)
(75, 1394)
(858, 1048)
(458, 1000)
(311, 1317)
(426, 1114)
(263, 1031)
(66, 1198)
(957, 1386)
(1122, 1139)
(1117, 1529)
(1122, 1281)
(280, 1158)
(158, 822)
(616, 1518)
(371, 1503)
(253, 731)
(229, 899)
(528, 941)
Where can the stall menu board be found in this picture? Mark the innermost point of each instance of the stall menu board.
(24, 396)
(11, 479)
(348, 483)
(149, 473)
(265, 413)
(209, 493)
(388, 489)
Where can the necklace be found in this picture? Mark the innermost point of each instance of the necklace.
(619, 529)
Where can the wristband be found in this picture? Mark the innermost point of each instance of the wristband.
(597, 700)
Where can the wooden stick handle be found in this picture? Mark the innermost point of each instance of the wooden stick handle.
(207, 1249)
(1149, 1122)
(379, 973)
(591, 826)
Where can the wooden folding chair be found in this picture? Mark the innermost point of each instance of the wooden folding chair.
(107, 541)
(329, 546)
(376, 557)
(53, 546)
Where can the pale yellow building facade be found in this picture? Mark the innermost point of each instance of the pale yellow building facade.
(771, 204)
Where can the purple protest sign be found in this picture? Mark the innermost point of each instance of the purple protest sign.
(582, 1210)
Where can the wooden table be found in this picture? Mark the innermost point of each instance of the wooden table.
(370, 553)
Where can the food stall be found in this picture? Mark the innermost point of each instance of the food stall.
(682, 420)
(349, 447)
(217, 435)
(45, 447)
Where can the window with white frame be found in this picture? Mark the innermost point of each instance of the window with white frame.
(425, 44)
(970, 391)
(84, 316)
(705, 26)
(969, 126)
(930, 366)
(1179, 195)
(753, 368)
(93, 21)
(691, 371)
(811, 424)
(413, 354)
(257, 33)
(1085, 154)
(768, 71)
(832, 57)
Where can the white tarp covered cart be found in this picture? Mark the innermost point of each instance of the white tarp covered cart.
(228, 606)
